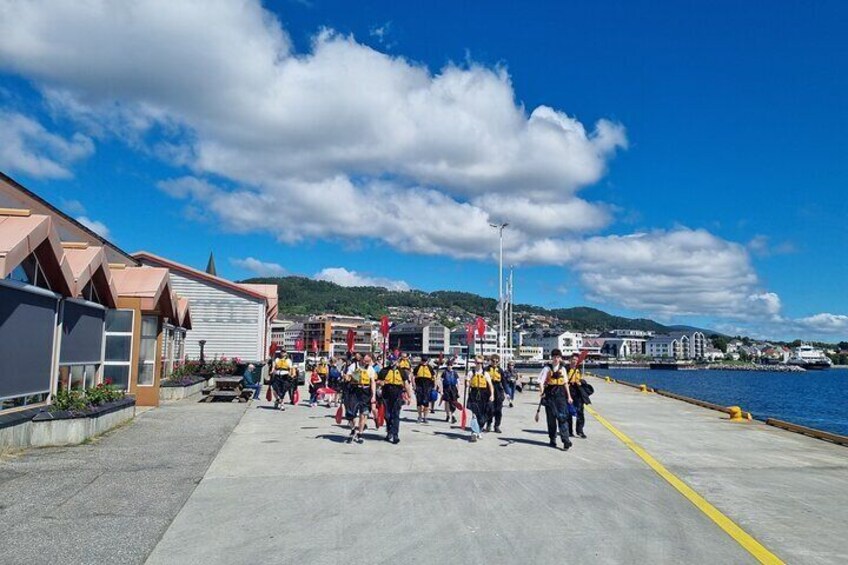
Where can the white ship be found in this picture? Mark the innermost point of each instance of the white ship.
(809, 357)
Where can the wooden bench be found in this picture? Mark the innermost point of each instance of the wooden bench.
(227, 389)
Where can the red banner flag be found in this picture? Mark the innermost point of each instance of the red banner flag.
(481, 327)
(351, 336)
(469, 333)
(298, 344)
(315, 346)
(384, 326)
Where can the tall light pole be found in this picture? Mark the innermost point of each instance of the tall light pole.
(500, 228)
(511, 323)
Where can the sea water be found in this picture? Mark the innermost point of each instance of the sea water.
(818, 399)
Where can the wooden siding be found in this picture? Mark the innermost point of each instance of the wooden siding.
(232, 324)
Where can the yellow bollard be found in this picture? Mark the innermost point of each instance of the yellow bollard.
(735, 414)
(607, 379)
(643, 388)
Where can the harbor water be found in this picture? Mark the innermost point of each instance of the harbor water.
(818, 399)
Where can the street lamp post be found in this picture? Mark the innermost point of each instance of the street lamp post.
(500, 228)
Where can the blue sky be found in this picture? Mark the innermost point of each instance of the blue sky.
(719, 174)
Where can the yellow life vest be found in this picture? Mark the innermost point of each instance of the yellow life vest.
(362, 377)
(478, 380)
(423, 372)
(393, 377)
(494, 374)
(574, 376)
(555, 378)
(322, 370)
(282, 365)
(404, 364)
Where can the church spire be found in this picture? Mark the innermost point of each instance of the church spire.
(210, 266)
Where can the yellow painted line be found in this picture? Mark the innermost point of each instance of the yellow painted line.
(742, 537)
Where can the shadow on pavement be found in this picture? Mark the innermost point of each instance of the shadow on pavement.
(511, 440)
(452, 435)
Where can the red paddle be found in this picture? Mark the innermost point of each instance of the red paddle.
(296, 397)
(381, 415)
(268, 395)
(339, 414)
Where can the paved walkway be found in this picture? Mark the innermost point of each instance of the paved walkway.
(286, 489)
(109, 501)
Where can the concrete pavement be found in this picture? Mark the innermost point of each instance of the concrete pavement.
(286, 489)
(111, 500)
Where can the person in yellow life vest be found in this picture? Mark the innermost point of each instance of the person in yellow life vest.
(425, 381)
(360, 396)
(575, 388)
(481, 393)
(404, 365)
(496, 406)
(394, 382)
(281, 379)
(556, 397)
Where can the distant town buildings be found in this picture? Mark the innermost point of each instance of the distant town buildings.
(421, 339)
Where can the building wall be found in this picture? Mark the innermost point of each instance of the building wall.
(232, 324)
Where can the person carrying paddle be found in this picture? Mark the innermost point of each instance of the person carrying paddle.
(450, 391)
(580, 391)
(394, 383)
(360, 396)
(281, 379)
(425, 381)
(496, 406)
(556, 397)
(480, 394)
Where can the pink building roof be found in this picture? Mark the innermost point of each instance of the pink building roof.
(151, 284)
(88, 263)
(23, 234)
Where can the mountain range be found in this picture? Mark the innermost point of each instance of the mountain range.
(301, 296)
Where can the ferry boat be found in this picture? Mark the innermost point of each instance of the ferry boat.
(809, 357)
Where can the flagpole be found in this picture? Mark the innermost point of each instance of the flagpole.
(500, 228)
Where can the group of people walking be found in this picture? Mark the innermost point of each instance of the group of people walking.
(364, 389)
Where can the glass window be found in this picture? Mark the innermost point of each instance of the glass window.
(147, 350)
(77, 372)
(90, 375)
(118, 347)
(119, 321)
(119, 327)
(118, 375)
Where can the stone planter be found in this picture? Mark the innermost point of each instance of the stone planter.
(67, 428)
(170, 392)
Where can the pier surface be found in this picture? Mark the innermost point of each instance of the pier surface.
(284, 488)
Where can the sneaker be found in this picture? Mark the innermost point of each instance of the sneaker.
(552, 443)
(395, 440)
(388, 438)
(282, 407)
(453, 419)
(447, 418)
(582, 435)
(424, 421)
(349, 439)
(358, 439)
(488, 428)
(276, 403)
(497, 430)
(420, 419)
(473, 438)
(565, 444)
(510, 403)
(570, 434)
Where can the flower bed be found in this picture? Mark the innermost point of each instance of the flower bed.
(184, 387)
(54, 427)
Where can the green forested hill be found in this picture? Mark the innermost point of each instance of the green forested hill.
(303, 296)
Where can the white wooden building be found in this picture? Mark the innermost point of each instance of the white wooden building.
(234, 319)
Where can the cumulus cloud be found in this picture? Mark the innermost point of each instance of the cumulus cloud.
(219, 85)
(344, 142)
(96, 226)
(343, 277)
(259, 268)
(28, 147)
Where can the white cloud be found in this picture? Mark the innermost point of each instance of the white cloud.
(762, 246)
(26, 146)
(96, 226)
(343, 277)
(824, 323)
(260, 268)
(220, 82)
(347, 143)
